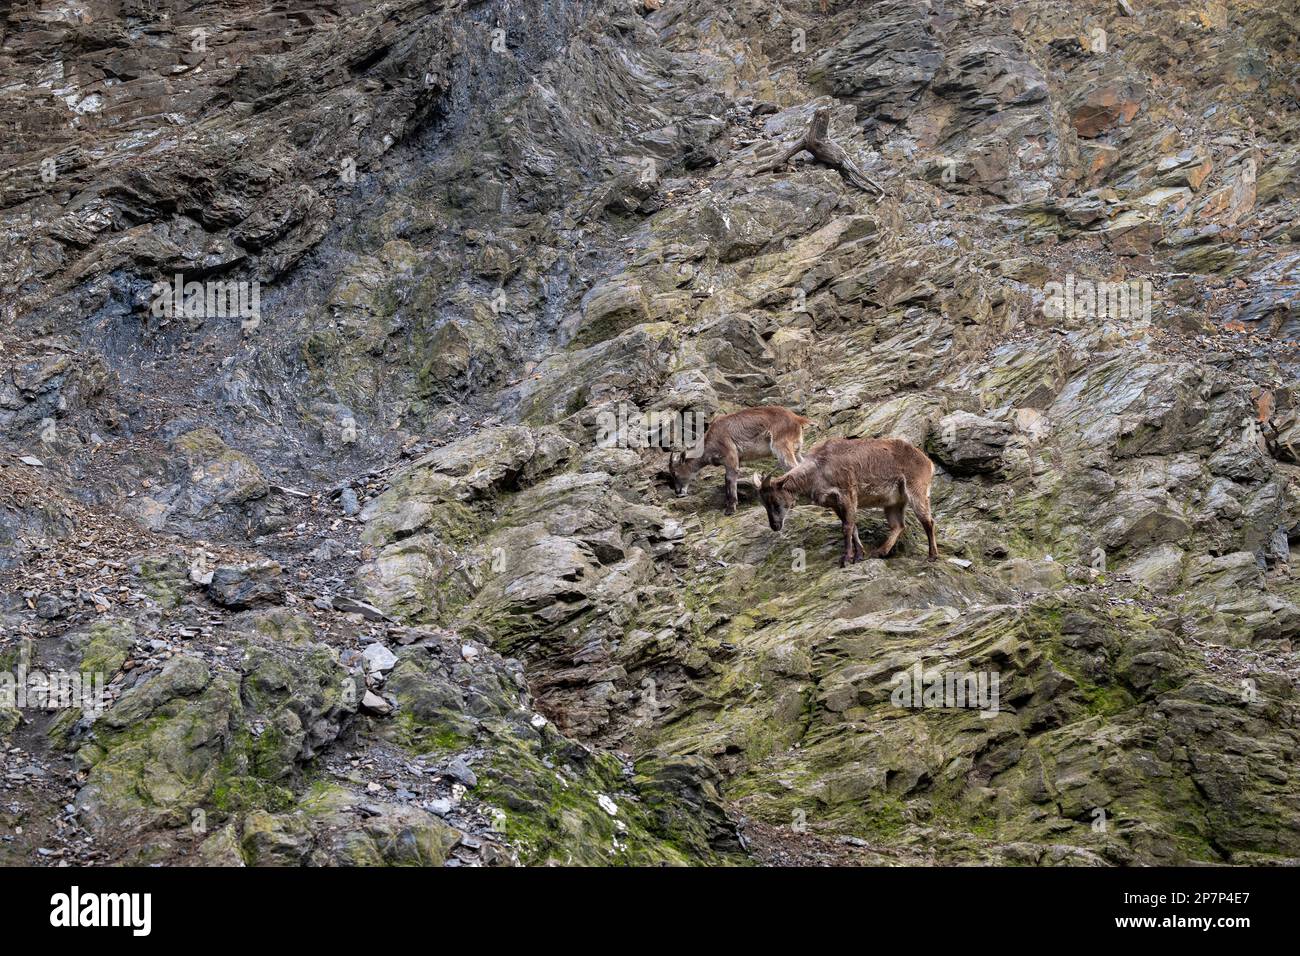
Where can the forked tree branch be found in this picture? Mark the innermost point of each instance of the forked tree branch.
(817, 141)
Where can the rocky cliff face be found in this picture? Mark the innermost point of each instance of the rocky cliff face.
(327, 327)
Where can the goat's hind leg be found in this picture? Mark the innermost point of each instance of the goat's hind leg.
(894, 515)
(786, 453)
(921, 508)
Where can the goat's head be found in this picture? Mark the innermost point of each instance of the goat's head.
(679, 475)
(776, 500)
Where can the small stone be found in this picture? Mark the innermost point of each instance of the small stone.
(376, 704)
(327, 550)
(201, 574)
(379, 659)
(348, 499)
(242, 586)
(459, 771)
(352, 606)
(50, 607)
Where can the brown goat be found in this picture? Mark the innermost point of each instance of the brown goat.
(746, 435)
(845, 473)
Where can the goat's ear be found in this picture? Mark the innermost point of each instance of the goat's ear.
(767, 482)
(757, 480)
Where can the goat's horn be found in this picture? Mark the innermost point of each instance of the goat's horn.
(757, 480)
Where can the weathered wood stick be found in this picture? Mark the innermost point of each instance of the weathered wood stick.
(825, 150)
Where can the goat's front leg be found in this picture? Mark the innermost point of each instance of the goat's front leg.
(849, 526)
(731, 462)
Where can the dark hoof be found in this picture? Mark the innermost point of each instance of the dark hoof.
(729, 510)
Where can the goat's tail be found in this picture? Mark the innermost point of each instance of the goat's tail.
(804, 422)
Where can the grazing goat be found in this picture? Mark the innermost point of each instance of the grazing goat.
(845, 473)
(746, 435)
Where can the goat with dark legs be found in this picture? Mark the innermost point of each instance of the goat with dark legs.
(844, 474)
(746, 435)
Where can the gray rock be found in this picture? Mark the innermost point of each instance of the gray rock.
(968, 444)
(352, 606)
(459, 771)
(348, 500)
(379, 659)
(243, 586)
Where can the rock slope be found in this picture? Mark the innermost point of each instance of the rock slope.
(378, 569)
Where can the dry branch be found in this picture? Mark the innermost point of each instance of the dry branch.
(825, 150)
